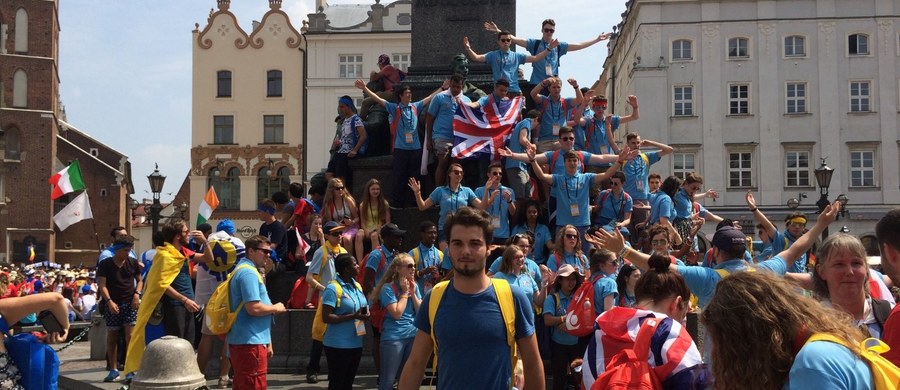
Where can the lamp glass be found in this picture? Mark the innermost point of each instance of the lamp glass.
(793, 203)
(156, 181)
(823, 175)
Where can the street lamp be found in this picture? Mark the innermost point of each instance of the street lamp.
(156, 185)
(823, 179)
(794, 203)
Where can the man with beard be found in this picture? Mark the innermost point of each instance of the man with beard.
(888, 232)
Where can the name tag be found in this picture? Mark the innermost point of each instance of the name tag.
(555, 129)
(409, 138)
(360, 328)
(574, 210)
(548, 69)
(496, 222)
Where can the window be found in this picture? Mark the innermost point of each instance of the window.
(738, 48)
(400, 61)
(273, 83)
(228, 188)
(94, 152)
(273, 129)
(13, 147)
(350, 66)
(21, 31)
(103, 192)
(223, 83)
(739, 99)
(858, 44)
(683, 100)
(862, 168)
(795, 98)
(796, 168)
(684, 163)
(20, 89)
(267, 185)
(794, 46)
(682, 50)
(860, 93)
(740, 169)
(223, 129)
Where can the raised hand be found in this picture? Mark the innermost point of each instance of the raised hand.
(712, 194)
(491, 27)
(360, 84)
(604, 36)
(553, 44)
(751, 201)
(505, 152)
(414, 185)
(632, 101)
(573, 82)
(466, 43)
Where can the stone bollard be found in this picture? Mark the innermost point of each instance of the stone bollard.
(97, 337)
(168, 363)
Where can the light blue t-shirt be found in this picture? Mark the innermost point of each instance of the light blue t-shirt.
(573, 190)
(604, 287)
(531, 268)
(683, 204)
(428, 256)
(505, 65)
(515, 146)
(524, 281)
(539, 68)
(579, 262)
(559, 166)
(702, 280)
(406, 124)
(558, 310)
(343, 334)
(783, 240)
(443, 108)
(553, 114)
(484, 331)
(661, 206)
(404, 328)
(498, 209)
(541, 239)
(246, 287)
(450, 201)
(592, 136)
(637, 173)
(612, 208)
(827, 365)
(373, 261)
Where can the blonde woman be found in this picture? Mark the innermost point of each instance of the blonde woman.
(568, 251)
(339, 206)
(374, 213)
(397, 293)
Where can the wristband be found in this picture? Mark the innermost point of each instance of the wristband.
(753, 210)
(623, 252)
(621, 162)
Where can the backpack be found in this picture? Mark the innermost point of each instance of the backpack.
(610, 126)
(362, 274)
(555, 157)
(219, 317)
(416, 254)
(580, 314)
(376, 312)
(545, 102)
(36, 361)
(298, 294)
(507, 309)
(396, 122)
(630, 369)
(605, 194)
(885, 375)
(319, 326)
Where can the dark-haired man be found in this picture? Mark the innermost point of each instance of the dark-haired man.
(439, 125)
(272, 229)
(470, 298)
(554, 110)
(119, 281)
(595, 133)
(116, 233)
(888, 232)
(504, 62)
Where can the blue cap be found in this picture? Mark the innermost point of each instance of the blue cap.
(226, 226)
(86, 289)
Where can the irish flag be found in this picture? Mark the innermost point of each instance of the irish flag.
(210, 202)
(66, 180)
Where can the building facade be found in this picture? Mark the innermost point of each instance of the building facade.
(36, 142)
(753, 93)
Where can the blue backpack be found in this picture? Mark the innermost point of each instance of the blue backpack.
(37, 362)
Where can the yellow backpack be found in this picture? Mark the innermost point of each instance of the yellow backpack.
(319, 327)
(219, 317)
(507, 310)
(885, 375)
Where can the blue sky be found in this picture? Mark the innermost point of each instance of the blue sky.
(125, 68)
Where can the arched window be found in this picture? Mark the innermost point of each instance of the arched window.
(682, 50)
(266, 184)
(21, 31)
(13, 144)
(273, 83)
(20, 89)
(228, 188)
(858, 44)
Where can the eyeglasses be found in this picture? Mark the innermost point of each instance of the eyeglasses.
(572, 236)
(659, 242)
(456, 172)
(615, 183)
(614, 263)
(549, 30)
(506, 40)
(566, 138)
(267, 251)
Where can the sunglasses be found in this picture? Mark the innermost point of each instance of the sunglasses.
(572, 236)
(410, 266)
(496, 173)
(567, 138)
(506, 40)
(264, 250)
(549, 30)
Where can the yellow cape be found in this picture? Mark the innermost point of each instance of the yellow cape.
(167, 264)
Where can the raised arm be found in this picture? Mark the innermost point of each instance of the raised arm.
(759, 216)
(417, 194)
(440, 89)
(473, 56)
(625, 155)
(543, 53)
(635, 113)
(536, 91)
(491, 27)
(537, 168)
(805, 241)
(579, 98)
(663, 148)
(460, 101)
(523, 157)
(362, 85)
(585, 44)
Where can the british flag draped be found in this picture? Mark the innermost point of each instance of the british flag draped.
(480, 133)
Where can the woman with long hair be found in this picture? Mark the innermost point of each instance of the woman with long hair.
(684, 203)
(563, 346)
(345, 315)
(514, 271)
(449, 198)
(662, 294)
(758, 318)
(567, 250)
(339, 206)
(532, 220)
(374, 213)
(626, 280)
(398, 294)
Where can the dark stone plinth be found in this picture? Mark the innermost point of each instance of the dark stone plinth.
(378, 167)
(291, 340)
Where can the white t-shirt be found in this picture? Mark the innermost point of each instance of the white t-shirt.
(88, 301)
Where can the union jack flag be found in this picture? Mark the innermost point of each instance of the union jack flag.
(482, 132)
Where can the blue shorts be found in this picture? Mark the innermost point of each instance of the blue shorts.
(127, 317)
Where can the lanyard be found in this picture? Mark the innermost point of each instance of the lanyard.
(409, 122)
(499, 207)
(557, 112)
(568, 196)
(454, 197)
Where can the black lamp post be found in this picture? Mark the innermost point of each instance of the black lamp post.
(156, 185)
(823, 179)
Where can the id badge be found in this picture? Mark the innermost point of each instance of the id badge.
(360, 328)
(640, 185)
(555, 129)
(548, 70)
(409, 138)
(496, 222)
(574, 210)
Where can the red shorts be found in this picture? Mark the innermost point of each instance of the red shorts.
(250, 363)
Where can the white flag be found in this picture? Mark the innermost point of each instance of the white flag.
(77, 210)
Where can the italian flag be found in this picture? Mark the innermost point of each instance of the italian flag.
(210, 202)
(66, 180)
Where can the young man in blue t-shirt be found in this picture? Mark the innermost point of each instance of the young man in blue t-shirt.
(504, 62)
(468, 326)
(439, 125)
(500, 203)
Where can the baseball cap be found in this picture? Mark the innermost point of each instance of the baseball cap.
(392, 229)
(726, 237)
(225, 225)
(331, 226)
(86, 289)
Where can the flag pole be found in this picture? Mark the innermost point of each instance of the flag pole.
(94, 225)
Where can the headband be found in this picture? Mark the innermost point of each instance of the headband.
(270, 210)
(800, 220)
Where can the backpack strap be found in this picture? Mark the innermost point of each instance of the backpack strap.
(508, 311)
(646, 159)
(394, 124)
(434, 300)
(415, 256)
(642, 341)
(231, 275)
(882, 310)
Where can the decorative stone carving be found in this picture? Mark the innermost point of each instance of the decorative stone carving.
(223, 29)
(885, 27)
(767, 30)
(248, 159)
(275, 27)
(827, 31)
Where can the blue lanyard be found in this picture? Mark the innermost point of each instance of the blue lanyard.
(568, 196)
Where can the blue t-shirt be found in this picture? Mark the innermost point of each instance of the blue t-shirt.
(558, 310)
(147, 259)
(484, 331)
(443, 108)
(182, 284)
(637, 173)
(579, 262)
(559, 166)
(406, 124)
(404, 328)
(541, 238)
(343, 334)
(702, 280)
(524, 281)
(592, 136)
(612, 208)
(553, 115)
(661, 206)
(827, 365)
(515, 146)
(683, 204)
(783, 240)
(604, 286)
(499, 211)
(573, 190)
(505, 65)
(373, 261)
(428, 256)
(531, 268)
(450, 201)
(503, 103)
(539, 68)
(246, 287)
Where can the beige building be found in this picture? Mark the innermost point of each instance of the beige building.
(247, 111)
(752, 93)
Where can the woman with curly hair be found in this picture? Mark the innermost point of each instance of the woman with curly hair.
(567, 250)
(339, 206)
(758, 318)
(514, 271)
(398, 294)
(374, 213)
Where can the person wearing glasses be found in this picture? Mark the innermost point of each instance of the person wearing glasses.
(520, 140)
(399, 296)
(504, 62)
(794, 227)
(568, 250)
(500, 202)
(555, 110)
(346, 316)
(321, 273)
(596, 133)
(614, 206)
(525, 242)
(449, 198)
(340, 207)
